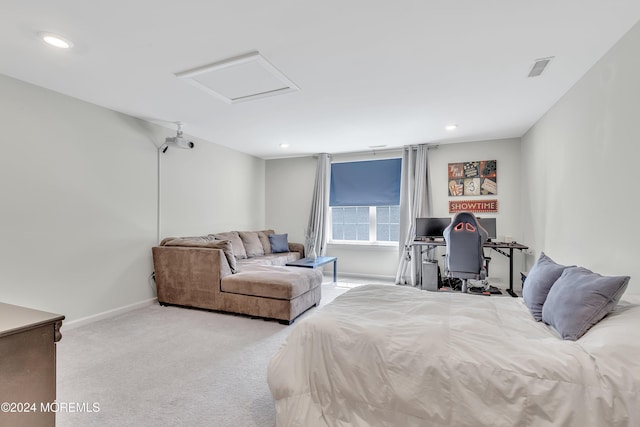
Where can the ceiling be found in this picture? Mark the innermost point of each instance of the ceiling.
(370, 73)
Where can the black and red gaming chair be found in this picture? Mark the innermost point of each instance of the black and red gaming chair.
(464, 257)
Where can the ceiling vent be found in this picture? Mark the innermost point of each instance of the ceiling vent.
(539, 66)
(239, 79)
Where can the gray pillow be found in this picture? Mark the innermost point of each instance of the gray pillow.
(580, 299)
(279, 243)
(535, 288)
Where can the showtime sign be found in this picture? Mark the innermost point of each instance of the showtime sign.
(473, 206)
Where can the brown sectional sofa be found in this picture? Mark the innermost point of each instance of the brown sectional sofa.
(235, 272)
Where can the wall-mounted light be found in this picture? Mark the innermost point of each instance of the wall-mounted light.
(451, 127)
(284, 146)
(56, 40)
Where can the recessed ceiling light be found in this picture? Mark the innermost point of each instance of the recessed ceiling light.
(56, 40)
(284, 145)
(452, 126)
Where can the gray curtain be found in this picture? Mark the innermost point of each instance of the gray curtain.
(316, 232)
(415, 202)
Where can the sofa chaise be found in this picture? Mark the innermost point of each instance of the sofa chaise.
(236, 272)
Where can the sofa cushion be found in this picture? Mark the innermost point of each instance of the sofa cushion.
(279, 242)
(264, 239)
(274, 282)
(252, 245)
(191, 238)
(280, 258)
(205, 242)
(236, 243)
(195, 241)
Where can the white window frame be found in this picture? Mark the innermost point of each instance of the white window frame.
(373, 232)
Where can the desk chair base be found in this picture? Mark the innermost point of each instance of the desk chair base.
(481, 287)
(484, 290)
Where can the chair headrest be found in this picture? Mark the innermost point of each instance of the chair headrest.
(465, 226)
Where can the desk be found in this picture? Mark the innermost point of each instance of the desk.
(496, 246)
(313, 263)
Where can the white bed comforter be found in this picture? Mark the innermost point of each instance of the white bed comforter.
(396, 356)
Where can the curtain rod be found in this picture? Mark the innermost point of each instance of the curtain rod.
(386, 150)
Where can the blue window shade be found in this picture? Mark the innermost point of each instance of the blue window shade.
(370, 183)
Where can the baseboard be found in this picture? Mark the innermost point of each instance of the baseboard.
(107, 314)
(342, 277)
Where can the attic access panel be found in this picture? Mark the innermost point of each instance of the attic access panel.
(239, 79)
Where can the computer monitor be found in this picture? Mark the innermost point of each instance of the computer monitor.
(488, 224)
(431, 228)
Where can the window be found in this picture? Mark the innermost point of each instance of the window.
(364, 201)
(350, 223)
(388, 223)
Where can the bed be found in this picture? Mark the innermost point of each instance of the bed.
(382, 355)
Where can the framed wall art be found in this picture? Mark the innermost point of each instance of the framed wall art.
(477, 178)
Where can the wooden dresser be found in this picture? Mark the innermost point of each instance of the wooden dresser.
(28, 366)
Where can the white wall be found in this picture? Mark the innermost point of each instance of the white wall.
(78, 203)
(508, 219)
(580, 167)
(289, 190)
(79, 200)
(210, 189)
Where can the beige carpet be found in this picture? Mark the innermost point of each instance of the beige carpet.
(169, 366)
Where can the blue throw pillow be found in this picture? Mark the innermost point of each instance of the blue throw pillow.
(580, 299)
(539, 281)
(279, 242)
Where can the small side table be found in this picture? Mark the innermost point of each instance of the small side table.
(319, 261)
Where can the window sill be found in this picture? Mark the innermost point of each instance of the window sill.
(381, 245)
